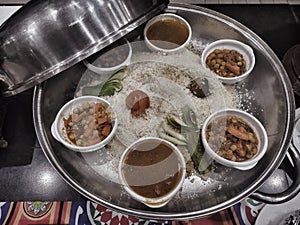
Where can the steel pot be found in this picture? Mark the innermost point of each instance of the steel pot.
(274, 107)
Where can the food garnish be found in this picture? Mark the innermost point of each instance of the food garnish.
(137, 101)
(162, 134)
(226, 62)
(107, 88)
(232, 138)
(176, 122)
(199, 87)
(110, 87)
(195, 147)
(171, 134)
(185, 132)
(88, 124)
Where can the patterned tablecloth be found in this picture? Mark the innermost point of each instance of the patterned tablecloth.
(90, 213)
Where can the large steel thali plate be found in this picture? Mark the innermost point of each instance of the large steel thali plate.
(271, 101)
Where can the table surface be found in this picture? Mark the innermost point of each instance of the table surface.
(34, 178)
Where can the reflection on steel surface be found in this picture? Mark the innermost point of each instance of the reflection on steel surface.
(44, 38)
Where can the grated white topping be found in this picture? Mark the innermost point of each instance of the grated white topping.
(164, 78)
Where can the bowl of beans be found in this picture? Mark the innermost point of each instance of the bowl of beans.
(85, 124)
(110, 59)
(152, 171)
(234, 138)
(231, 60)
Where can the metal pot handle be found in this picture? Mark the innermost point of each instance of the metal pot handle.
(294, 172)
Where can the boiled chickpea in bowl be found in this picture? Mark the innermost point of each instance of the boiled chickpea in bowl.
(230, 60)
(234, 138)
(226, 62)
(85, 124)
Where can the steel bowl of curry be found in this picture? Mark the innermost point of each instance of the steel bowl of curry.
(152, 171)
(234, 138)
(85, 124)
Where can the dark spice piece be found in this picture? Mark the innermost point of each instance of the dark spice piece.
(200, 87)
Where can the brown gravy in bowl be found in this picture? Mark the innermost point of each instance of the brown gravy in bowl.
(152, 169)
(167, 34)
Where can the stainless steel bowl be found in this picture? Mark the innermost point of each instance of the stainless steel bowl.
(44, 38)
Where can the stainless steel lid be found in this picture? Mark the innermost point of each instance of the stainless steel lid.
(46, 37)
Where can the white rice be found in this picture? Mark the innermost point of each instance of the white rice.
(164, 78)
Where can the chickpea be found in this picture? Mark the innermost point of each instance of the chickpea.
(233, 158)
(223, 57)
(254, 150)
(249, 155)
(80, 109)
(228, 155)
(216, 66)
(91, 111)
(233, 147)
(220, 153)
(241, 152)
(249, 147)
(227, 144)
(85, 105)
(252, 138)
(72, 136)
(220, 55)
(219, 61)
